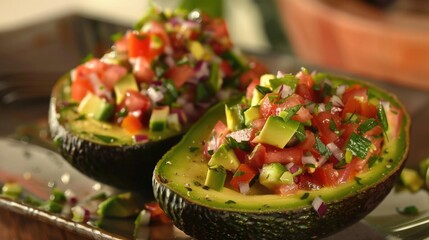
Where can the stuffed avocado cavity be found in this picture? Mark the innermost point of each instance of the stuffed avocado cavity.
(159, 78)
(291, 134)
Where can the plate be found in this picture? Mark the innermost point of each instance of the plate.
(39, 169)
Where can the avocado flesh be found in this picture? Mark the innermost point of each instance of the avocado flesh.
(179, 177)
(114, 159)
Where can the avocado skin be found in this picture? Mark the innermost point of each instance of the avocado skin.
(304, 223)
(127, 167)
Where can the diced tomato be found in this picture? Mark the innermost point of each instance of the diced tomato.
(306, 182)
(247, 78)
(180, 74)
(112, 75)
(251, 87)
(138, 44)
(220, 131)
(356, 92)
(267, 108)
(135, 101)
(306, 79)
(323, 121)
(303, 115)
(131, 124)
(349, 172)
(308, 143)
(258, 124)
(368, 110)
(157, 215)
(284, 156)
(157, 28)
(347, 130)
(356, 106)
(257, 158)
(286, 189)
(241, 155)
(327, 175)
(143, 70)
(304, 91)
(80, 87)
(226, 68)
(244, 174)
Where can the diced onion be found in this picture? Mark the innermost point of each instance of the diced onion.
(244, 187)
(336, 101)
(140, 138)
(309, 160)
(321, 107)
(292, 167)
(285, 91)
(386, 105)
(80, 214)
(241, 135)
(319, 206)
(340, 90)
(336, 151)
(155, 95)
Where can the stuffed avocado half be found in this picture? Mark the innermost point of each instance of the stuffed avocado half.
(114, 117)
(319, 154)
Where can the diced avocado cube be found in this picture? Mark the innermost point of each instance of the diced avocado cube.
(277, 132)
(95, 107)
(265, 80)
(215, 178)
(127, 82)
(197, 50)
(12, 190)
(411, 179)
(215, 78)
(251, 114)
(270, 175)
(256, 98)
(234, 119)
(225, 157)
(122, 205)
(158, 119)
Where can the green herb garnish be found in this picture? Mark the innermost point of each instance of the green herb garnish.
(234, 144)
(358, 145)
(321, 147)
(305, 196)
(106, 139)
(263, 90)
(381, 114)
(193, 149)
(367, 125)
(408, 210)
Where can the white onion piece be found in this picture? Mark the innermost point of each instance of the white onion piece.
(340, 90)
(80, 214)
(155, 95)
(292, 167)
(309, 160)
(99, 88)
(386, 105)
(285, 91)
(241, 135)
(244, 187)
(322, 160)
(280, 74)
(319, 206)
(336, 101)
(336, 151)
(321, 107)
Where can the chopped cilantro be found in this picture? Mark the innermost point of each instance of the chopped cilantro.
(358, 180)
(305, 196)
(321, 147)
(234, 144)
(290, 112)
(263, 90)
(341, 164)
(408, 210)
(358, 145)
(333, 127)
(230, 202)
(193, 149)
(372, 160)
(239, 173)
(300, 133)
(369, 124)
(106, 139)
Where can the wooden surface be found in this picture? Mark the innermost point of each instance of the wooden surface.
(390, 44)
(20, 227)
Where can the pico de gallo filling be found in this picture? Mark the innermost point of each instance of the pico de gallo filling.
(160, 77)
(294, 133)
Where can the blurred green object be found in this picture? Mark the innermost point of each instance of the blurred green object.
(213, 8)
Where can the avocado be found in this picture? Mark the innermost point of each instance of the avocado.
(410, 179)
(95, 107)
(226, 158)
(209, 214)
(216, 176)
(104, 151)
(251, 114)
(127, 82)
(277, 132)
(234, 118)
(121, 205)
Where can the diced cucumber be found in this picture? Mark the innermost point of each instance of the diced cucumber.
(158, 119)
(127, 82)
(271, 174)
